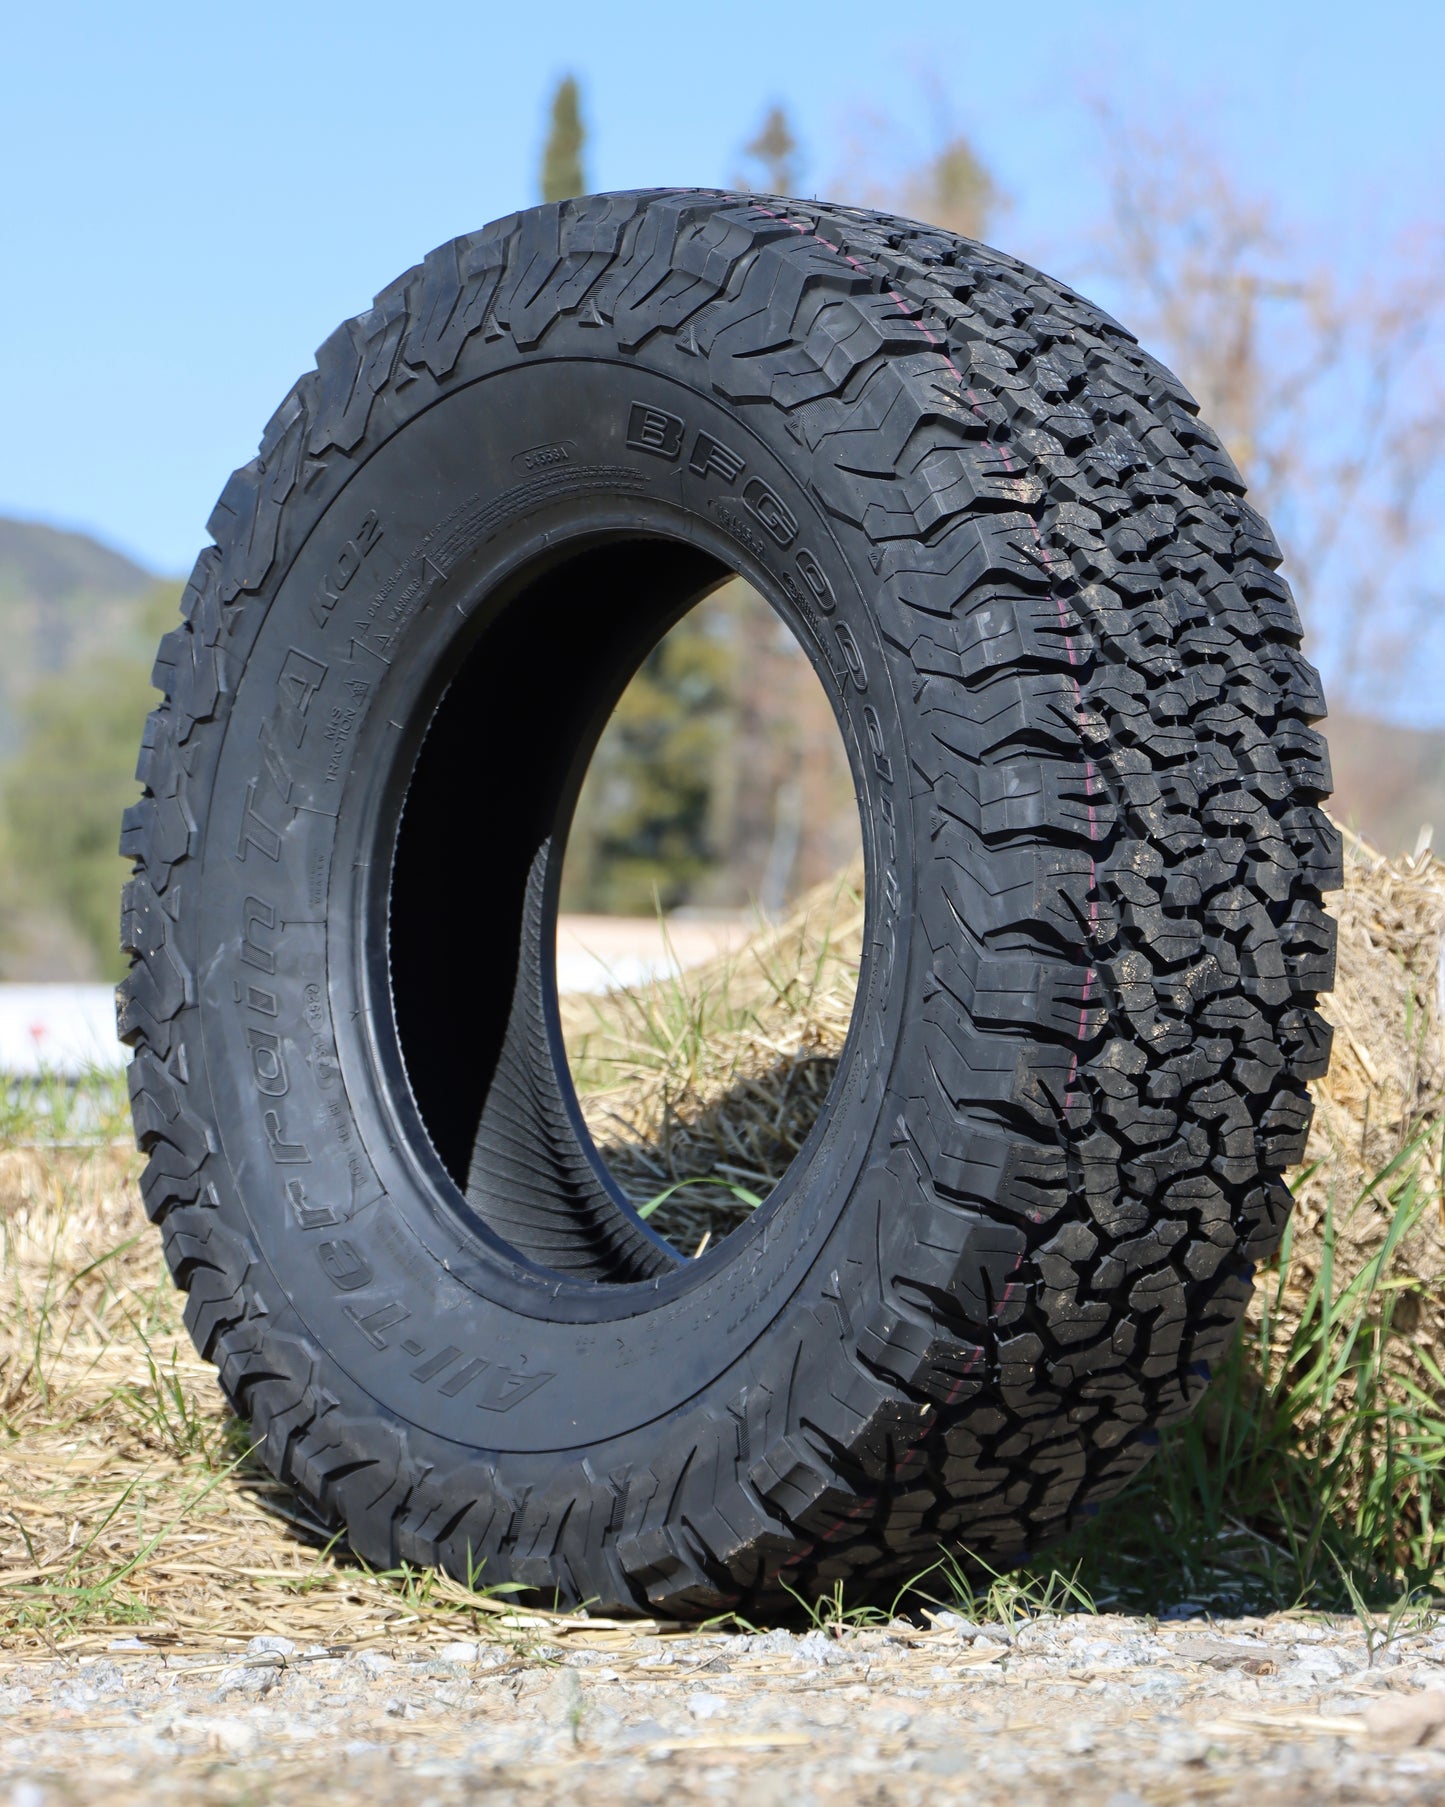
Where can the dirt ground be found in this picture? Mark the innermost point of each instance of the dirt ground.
(1092, 1711)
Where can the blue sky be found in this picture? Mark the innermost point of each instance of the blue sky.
(194, 195)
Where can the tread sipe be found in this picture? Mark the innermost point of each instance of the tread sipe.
(1096, 861)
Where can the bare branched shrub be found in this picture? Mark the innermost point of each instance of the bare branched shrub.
(1322, 368)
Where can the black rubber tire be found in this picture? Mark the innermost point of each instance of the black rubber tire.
(1070, 681)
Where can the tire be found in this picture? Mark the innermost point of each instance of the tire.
(1069, 678)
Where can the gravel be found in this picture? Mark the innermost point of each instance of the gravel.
(1090, 1711)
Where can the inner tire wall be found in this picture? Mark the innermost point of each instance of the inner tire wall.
(495, 781)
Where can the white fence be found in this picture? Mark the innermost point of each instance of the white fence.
(69, 1030)
(65, 1030)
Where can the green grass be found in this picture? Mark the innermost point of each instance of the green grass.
(1313, 1474)
(50, 1111)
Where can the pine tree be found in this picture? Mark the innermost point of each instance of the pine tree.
(775, 149)
(721, 778)
(954, 190)
(642, 832)
(562, 172)
(62, 794)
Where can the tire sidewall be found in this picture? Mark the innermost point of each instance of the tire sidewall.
(359, 1231)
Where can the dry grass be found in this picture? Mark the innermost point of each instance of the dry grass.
(128, 1500)
(700, 1090)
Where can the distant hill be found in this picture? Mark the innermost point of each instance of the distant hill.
(62, 596)
(51, 564)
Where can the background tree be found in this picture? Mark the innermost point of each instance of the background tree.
(642, 835)
(951, 188)
(62, 795)
(721, 780)
(1327, 387)
(939, 179)
(785, 813)
(773, 155)
(563, 174)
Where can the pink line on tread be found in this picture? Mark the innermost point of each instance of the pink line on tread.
(804, 230)
(1002, 452)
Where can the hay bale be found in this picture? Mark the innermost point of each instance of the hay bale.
(1387, 1074)
(1384, 1096)
(719, 1074)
